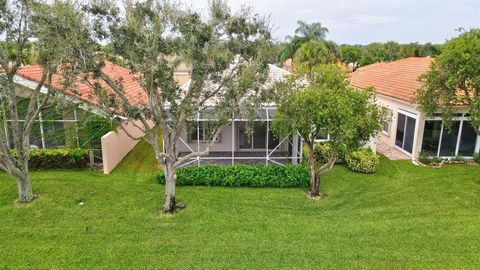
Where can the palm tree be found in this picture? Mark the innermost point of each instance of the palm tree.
(313, 31)
(290, 48)
(304, 33)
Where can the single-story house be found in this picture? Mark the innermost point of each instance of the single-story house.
(410, 132)
(234, 145)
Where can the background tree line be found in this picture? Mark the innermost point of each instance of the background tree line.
(309, 47)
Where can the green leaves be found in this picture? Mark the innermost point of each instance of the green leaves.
(350, 116)
(242, 176)
(454, 79)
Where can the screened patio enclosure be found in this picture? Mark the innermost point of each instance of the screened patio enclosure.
(242, 141)
(66, 126)
(460, 140)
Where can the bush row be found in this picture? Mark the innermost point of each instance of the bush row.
(242, 176)
(58, 159)
(426, 159)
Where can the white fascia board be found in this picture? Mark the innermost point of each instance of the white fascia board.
(44, 90)
(29, 84)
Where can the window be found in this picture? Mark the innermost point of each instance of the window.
(448, 144)
(431, 137)
(203, 133)
(386, 127)
(256, 137)
(405, 132)
(467, 140)
(460, 139)
(322, 135)
(386, 124)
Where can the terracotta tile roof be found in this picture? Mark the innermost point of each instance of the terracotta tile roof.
(397, 79)
(131, 86)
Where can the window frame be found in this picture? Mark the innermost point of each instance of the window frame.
(203, 129)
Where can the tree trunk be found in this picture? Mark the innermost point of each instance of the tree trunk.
(314, 183)
(25, 193)
(170, 181)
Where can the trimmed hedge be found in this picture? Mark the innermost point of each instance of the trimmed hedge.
(242, 176)
(44, 159)
(362, 160)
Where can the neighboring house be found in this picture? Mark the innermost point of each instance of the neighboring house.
(409, 132)
(241, 143)
(113, 145)
(236, 144)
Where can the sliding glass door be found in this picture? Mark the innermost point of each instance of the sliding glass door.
(405, 131)
(255, 138)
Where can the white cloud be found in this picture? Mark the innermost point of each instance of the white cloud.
(373, 19)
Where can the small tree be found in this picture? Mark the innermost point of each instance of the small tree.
(454, 80)
(321, 100)
(312, 54)
(21, 21)
(227, 54)
(351, 54)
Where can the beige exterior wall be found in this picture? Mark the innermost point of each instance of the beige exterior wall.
(117, 144)
(396, 105)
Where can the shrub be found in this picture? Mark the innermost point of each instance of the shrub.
(362, 160)
(58, 159)
(322, 152)
(476, 158)
(242, 176)
(425, 158)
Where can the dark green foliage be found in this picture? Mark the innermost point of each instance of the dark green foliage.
(362, 160)
(242, 176)
(429, 160)
(453, 79)
(476, 157)
(385, 52)
(46, 159)
(322, 151)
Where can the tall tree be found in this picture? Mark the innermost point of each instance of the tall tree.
(322, 99)
(21, 21)
(304, 33)
(227, 52)
(454, 80)
(312, 31)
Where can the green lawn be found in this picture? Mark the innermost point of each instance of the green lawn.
(401, 217)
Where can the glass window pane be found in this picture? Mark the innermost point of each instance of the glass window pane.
(449, 140)
(244, 140)
(273, 140)
(322, 135)
(409, 134)
(467, 140)
(431, 137)
(400, 130)
(259, 135)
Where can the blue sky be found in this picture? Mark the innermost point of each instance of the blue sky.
(365, 21)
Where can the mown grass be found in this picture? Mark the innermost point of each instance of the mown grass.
(403, 216)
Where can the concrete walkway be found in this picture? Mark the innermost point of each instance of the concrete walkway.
(390, 152)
